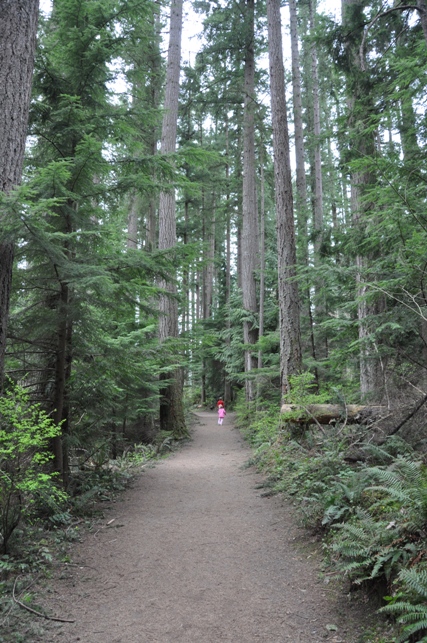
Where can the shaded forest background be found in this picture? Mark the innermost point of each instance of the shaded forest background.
(162, 260)
(89, 274)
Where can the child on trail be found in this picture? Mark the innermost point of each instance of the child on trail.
(221, 413)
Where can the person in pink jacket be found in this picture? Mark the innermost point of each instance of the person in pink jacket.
(221, 413)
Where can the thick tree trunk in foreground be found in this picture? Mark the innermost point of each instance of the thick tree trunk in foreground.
(289, 304)
(171, 408)
(18, 29)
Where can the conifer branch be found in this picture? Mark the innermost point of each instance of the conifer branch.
(406, 7)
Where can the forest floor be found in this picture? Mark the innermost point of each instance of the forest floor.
(193, 552)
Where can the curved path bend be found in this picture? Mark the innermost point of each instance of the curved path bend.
(193, 553)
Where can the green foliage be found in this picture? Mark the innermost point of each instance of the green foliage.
(409, 604)
(25, 480)
(303, 390)
(372, 514)
(387, 529)
(260, 424)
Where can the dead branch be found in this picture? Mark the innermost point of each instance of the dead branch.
(30, 609)
(408, 417)
(324, 413)
(307, 410)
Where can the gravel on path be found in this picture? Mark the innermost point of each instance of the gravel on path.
(193, 552)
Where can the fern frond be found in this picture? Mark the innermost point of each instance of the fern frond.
(397, 608)
(412, 629)
(395, 493)
(416, 580)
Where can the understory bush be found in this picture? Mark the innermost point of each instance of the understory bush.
(368, 502)
(25, 480)
(51, 520)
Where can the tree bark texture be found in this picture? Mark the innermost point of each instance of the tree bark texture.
(318, 183)
(60, 410)
(300, 155)
(133, 217)
(227, 383)
(371, 377)
(171, 409)
(210, 258)
(261, 259)
(249, 205)
(18, 29)
(301, 182)
(155, 97)
(289, 304)
(422, 10)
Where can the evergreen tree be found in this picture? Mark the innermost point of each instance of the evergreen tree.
(82, 306)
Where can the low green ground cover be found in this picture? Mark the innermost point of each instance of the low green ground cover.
(39, 520)
(371, 512)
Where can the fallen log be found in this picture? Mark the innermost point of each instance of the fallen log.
(325, 413)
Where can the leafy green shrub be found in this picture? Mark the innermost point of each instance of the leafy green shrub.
(135, 456)
(25, 432)
(303, 390)
(101, 480)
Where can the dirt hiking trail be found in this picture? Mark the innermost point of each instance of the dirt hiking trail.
(194, 553)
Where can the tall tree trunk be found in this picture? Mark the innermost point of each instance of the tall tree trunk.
(261, 312)
(132, 235)
(210, 273)
(301, 181)
(171, 405)
(186, 323)
(249, 223)
(155, 96)
(363, 144)
(62, 375)
(227, 383)
(146, 96)
(261, 258)
(204, 295)
(318, 183)
(411, 155)
(422, 10)
(319, 298)
(63, 357)
(18, 29)
(290, 334)
(58, 401)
